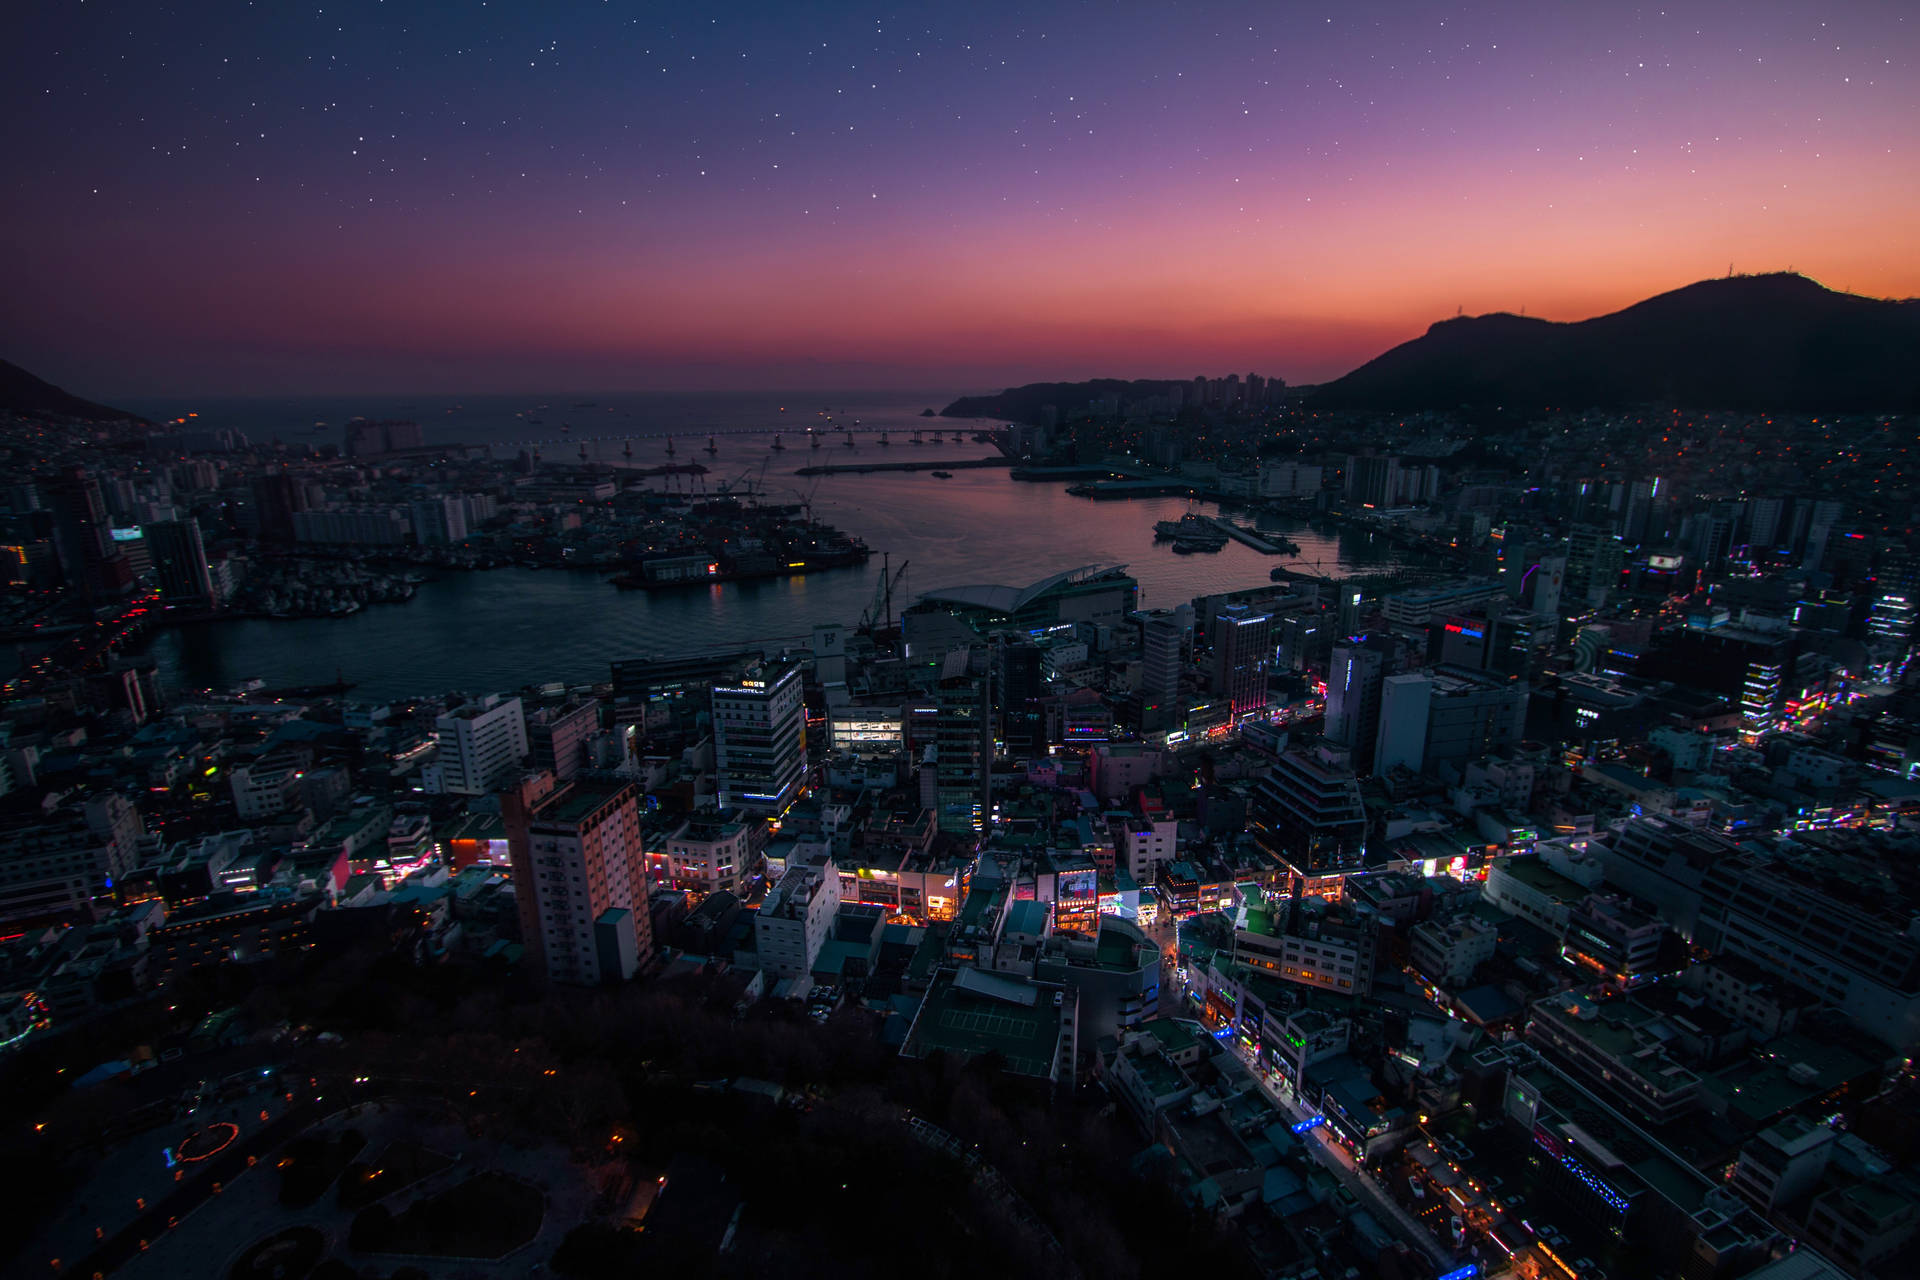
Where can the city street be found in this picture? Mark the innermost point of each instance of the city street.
(1370, 1193)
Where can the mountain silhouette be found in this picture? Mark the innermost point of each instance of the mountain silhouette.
(1767, 342)
(24, 394)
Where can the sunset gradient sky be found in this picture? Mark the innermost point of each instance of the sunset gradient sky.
(276, 199)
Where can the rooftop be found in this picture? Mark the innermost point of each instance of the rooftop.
(974, 1013)
(1002, 599)
(580, 800)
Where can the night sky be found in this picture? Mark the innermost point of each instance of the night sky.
(276, 198)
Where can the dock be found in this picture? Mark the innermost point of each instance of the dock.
(1276, 546)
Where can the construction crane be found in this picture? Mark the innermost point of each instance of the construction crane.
(878, 615)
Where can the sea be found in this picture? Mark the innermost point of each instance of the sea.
(501, 629)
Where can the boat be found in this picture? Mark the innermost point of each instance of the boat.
(883, 439)
(566, 426)
(669, 446)
(1196, 528)
(1187, 546)
(711, 446)
(629, 449)
(776, 441)
(943, 475)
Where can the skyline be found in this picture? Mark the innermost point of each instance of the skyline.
(352, 201)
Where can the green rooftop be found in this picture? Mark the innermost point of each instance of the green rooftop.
(973, 1013)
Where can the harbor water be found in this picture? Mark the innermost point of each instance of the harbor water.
(503, 628)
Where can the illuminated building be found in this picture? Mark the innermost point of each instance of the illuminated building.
(1146, 844)
(1307, 812)
(580, 878)
(1163, 637)
(1242, 643)
(708, 853)
(760, 743)
(230, 928)
(1354, 677)
(1309, 941)
(865, 729)
(1617, 945)
(963, 742)
(668, 695)
(409, 847)
(1411, 611)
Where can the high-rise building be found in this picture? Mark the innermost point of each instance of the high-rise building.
(963, 742)
(1402, 725)
(276, 499)
(1820, 518)
(1163, 637)
(1450, 715)
(1595, 557)
(93, 564)
(439, 521)
(1353, 699)
(1020, 680)
(1764, 524)
(179, 562)
(1308, 813)
(1896, 601)
(1373, 481)
(760, 742)
(481, 745)
(580, 877)
(1242, 652)
(557, 737)
(829, 655)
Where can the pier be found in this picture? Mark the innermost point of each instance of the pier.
(1275, 546)
(918, 464)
